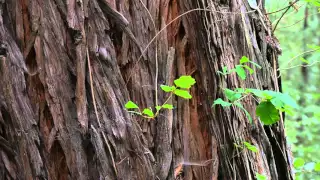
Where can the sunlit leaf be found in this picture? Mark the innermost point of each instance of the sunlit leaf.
(167, 106)
(304, 60)
(225, 69)
(221, 102)
(244, 59)
(298, 162)
(158, 108)
(251, 71)
(317, 167)
(261, 177)
(185, 82)
(241, 72)
(148, 112)
(250, 147)
(166, 88)
(131, 105)
(182, 93)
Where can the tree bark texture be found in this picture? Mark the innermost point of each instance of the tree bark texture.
(57, 124)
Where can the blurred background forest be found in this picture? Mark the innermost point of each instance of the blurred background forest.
(299, 36)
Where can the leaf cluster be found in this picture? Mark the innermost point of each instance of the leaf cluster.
(181, 89)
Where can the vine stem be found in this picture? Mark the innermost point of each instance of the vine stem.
(156, 54)
(164, 104)
(96, 112)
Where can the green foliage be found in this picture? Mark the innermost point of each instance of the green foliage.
(267, 112)
(131, 105)
(232, 95)
(221, 102)
(167, 106)
(250, 147)
(244, 59)
(298, 163)
(183, 84)
(239, 105)
(183, 93)
(261, 177)
(240, 69)
(241, 72)
(313, 2)
(303, 127)
(317, 167)
(270, 104)
(148, 112)
(166, 88)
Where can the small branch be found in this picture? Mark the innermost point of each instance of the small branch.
(283, 8)
(96, 113)
(295, 57)
(288, 7)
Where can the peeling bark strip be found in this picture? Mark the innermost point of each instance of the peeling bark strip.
(47, 106)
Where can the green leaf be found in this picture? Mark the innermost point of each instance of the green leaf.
(250, 147)
(288, 100)
(185, 82)
(166, 88)
(225, 69)
(167, 106)
(270, 94)
(251, 71)
(231, 95)
(182, 93)
(298, 162)
(221, 102)
(148, 112)
(304, 60)
(241, 72)
(244, 59)
(267, 112)
(261, 177)
(158, 108)
(239, 105)
(256, 92)
(131, 105)
(240, 90)
(317, 167)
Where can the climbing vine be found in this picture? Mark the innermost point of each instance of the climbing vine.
(181, 89)
(270, 103)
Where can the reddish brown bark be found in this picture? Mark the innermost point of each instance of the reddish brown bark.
(51, 129)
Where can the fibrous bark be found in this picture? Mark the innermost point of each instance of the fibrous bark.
(55, 123)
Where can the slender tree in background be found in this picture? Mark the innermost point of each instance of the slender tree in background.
(68, 67)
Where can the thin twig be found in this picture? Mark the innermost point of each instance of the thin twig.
(157, 66)
(275, 27)
(282, 8)
(301, 65)
(96, 112)
(298, 21)
(306, 52)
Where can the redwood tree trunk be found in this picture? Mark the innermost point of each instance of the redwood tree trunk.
(55, 123)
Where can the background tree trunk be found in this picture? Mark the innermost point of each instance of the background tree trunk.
(50, 127)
